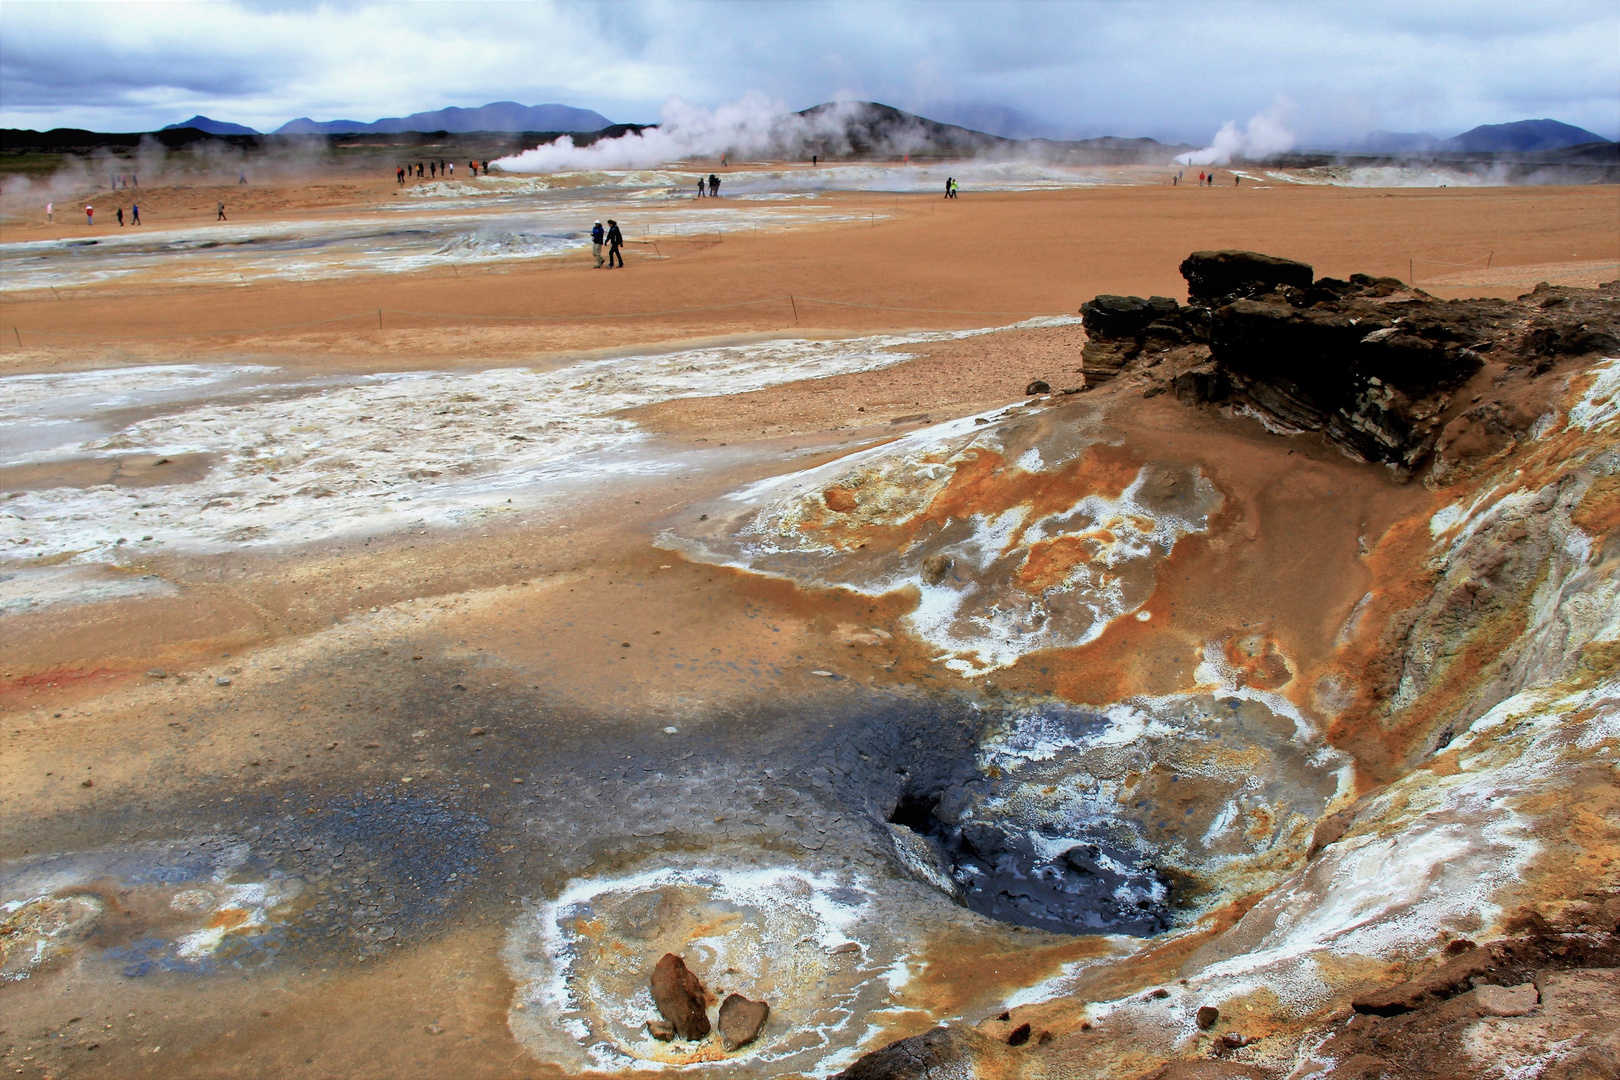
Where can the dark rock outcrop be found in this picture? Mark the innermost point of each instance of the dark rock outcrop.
(1214, 274)
(1369, 362)
(1120, 328)
(740, 1020)
(680, 997)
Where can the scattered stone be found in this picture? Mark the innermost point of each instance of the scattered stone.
(662, 1030)
(740, 1020)
(223, 680)
(158, 673)
(846, 947)
(823, 674)
(1234, 1040)
(934, 569)
(87, 783)
(1507, 1000)
(1039, 386)
(474, 731)
(1207, 1015)
(680, 997)
(1018, 1036)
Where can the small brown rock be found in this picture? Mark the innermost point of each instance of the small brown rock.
(680, 997)
(1018, 1036)
(740, 1020)
(1207, 1015)
(662, 1030)
(934, 569)
(1039, 386)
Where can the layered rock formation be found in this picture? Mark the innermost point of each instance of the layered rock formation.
(1377, 367)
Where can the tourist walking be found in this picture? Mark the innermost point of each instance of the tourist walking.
(947, 187)
(89, 215)
(120, 217)
(50, 214)
(615, 240)
(700, 187)
(221, 216)
(596, 243)
(135, 213)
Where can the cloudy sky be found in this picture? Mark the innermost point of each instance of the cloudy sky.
(1174, 71)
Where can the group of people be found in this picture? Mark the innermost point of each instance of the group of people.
(1205, 179)
(125, 180)
(432, 170)
(714, 186)
(90, 214)
(950, 187)
(615, 241)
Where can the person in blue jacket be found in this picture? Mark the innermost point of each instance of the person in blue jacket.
(596, 243)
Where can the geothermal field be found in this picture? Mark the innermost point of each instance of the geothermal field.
(1090, 627)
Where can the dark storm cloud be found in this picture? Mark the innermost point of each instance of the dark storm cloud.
(1171, 70)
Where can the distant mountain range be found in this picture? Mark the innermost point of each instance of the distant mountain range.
(1523, 136)
(496, 116)
(213, 127)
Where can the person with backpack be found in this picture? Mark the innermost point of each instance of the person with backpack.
(615, 241)
(596, 243)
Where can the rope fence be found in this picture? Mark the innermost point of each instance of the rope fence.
(792, 299)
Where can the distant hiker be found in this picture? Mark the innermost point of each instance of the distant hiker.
(433, 169)
(1174, 180)
(221, 216)
(615, 240)
(596, 243)
(49, 213)
(815, 161)
(714, 185)
(89, 215)
(241, 178)
(700, 187)
(1200, 179)
(135, 213)
(452, 168)
(399, 174)
(486, 168)
(947, 187)
(120, 217)
(473, 165)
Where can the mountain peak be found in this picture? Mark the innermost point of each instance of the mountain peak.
(1522, 135)
(213, 127)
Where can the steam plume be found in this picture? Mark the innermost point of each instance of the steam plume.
(754, 126)
(1265, 135)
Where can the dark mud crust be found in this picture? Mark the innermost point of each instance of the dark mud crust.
(915, 1058)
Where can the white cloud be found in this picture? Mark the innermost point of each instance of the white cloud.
(1171, 70)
